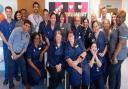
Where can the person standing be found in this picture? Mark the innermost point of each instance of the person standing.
(35, 17)
(118, 50)
(6, 28)
(17, 44)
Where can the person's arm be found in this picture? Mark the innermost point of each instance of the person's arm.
(3, 38)
(98, 62)
(34, 66)
(91, 62)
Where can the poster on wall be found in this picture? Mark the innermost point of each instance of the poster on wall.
(70, 7)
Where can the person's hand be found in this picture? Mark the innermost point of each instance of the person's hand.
(14, 56)
(75, 63)
(38, 72)
(114, 60)
(58, 67)
(78, 69)
(41, 56)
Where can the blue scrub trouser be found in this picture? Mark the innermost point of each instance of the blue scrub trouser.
(97, 84)
(77, 80)
(22, 65)
(115, 75)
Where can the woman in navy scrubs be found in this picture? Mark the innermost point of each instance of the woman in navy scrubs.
(35, 68)
(95, 62)
(77, 67)
(55, 63)
(102, 45)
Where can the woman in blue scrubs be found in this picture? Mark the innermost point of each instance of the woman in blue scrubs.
(95, 62)
(35, 68)
(102, 45)
(76, 66)
(55, 63)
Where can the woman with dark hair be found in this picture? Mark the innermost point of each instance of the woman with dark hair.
(95, 62)
(35, 50)
(63, 26)
(55, 63)
(76, 64)
(18, 19)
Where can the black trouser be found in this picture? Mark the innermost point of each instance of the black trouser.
(115, 75)
(97, 84)
(55, 77)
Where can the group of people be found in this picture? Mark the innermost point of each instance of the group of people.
(90, 51)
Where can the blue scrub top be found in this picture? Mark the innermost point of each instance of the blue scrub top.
(73, 52)
(101, 41)
(7, 28)
(95, 71)
(34, 53)
(56, 54)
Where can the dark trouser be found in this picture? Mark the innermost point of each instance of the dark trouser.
(115, 75)
(97, 84)
(22, 65)
(55, 77)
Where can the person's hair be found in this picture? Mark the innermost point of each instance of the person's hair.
(33, 35)
(85, 19)
(52, 14)
(94, 42)
(8, 7)
(104, 8)
(15, 16)
(36, 3)
(122, 13)
(57, 32)
(45, 10)
(106, 20)
(28, 22)
(63, 14)
(112, 20)
(94, 22)
(23, 10)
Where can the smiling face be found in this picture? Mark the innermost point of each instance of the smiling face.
(58, 37)
(8, 12)
(53, 19)
(37, 39)
(26, 27)
(45, 16)
(36, 8)
(62, 19)
(71, 37)
(18, 16)
(95, 27)
(94, 47)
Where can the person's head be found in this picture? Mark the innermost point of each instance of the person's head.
(104, 12)
(71, 36)
(45, 15)
(113, 21)
(93, 47)
(53, 18)
(8, 11)
(27, 26)
(85, 22)
(17, 15)
(36, 7)
(95, 26)
(62, 17)
(93, 17)
(121, 17)
(58, 37)
(35, 38)
(106, 25)
(77, 20)
(24, 14)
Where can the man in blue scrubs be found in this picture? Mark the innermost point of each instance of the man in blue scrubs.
(6, 27)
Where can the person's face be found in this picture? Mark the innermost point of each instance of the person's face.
(24, 14)
(8, 13)
(45, 16)
(37, 40)
(77, 21)
(62, 19)
(36, 8)
(95, 27)
(53, 19)
(94, 47)
(106, 25)
(93, 17)
(119, 19)
(18, 16)
(26, 27)
(85, 23)
(114, 19)
(104, 12)
(58, 38)
(71, 37)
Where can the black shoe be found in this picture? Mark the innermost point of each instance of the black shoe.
(17, 78)
(5, 82)
(12, 86)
